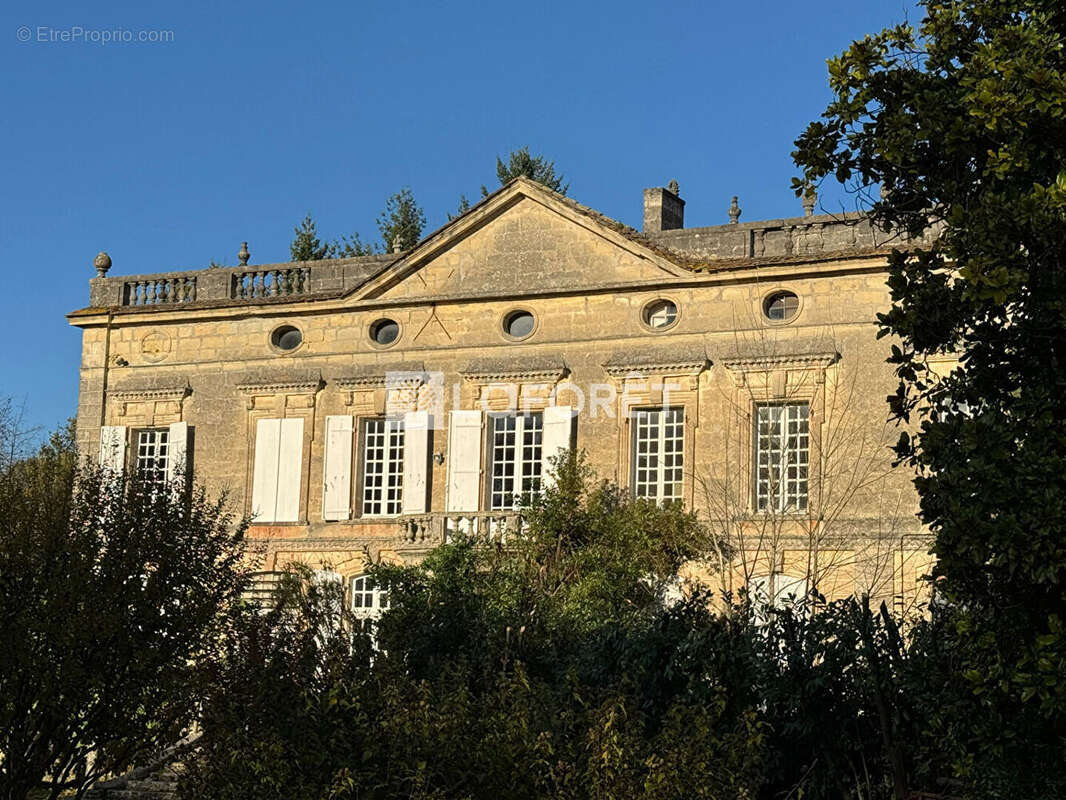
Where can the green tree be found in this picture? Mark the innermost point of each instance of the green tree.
(306, 245)
(350, 247)
(538, 168)
(464, 206)
(547, 666)
(15, 435)
(962, 124)
(401, 222)
(109, 589)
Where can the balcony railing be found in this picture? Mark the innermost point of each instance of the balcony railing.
(235, 284)
(254, 284)
(430, 530)
(159, 291)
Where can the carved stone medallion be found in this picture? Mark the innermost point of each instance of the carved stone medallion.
(155, 346)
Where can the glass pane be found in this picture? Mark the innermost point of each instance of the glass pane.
(519, 324)
(385, 331)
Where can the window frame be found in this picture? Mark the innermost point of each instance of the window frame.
(645, 309)
(518, 461)
(367, 616)
(135, 455)
(768, 296)
(502, 326)
(781, 501)
(396, 465)
(661, 439)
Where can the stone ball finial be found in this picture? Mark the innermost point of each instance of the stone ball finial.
(673, 187)
(102, 262)
(244, 255)
(734, 211)
(810, 200)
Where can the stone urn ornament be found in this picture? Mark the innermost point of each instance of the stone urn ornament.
(102, 262)
(734, 211)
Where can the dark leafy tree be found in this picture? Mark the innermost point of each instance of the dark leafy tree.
(401, 222)
(962, 123)
(15, 435)
(550, 667)
(306, 246)
(110, 589)
(538, 168)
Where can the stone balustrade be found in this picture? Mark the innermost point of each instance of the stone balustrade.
(255, 284)
(797, 237)
(794, 237)
(430, 530)
(159, 291)
(262, 283)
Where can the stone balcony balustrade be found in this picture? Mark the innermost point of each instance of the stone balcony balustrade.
(230, 285)
(434, 528)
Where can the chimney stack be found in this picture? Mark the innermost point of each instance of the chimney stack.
(664, 210)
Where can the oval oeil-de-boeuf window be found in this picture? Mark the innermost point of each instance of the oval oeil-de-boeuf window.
(518, 324)
(286, 337)
(660, 314)
(384, 332)
(780, 306)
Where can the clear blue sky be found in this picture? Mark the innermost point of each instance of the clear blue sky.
(168, 155)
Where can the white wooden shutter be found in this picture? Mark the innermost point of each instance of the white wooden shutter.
(177, 450)
(558, 422)
(415, 461)
(113, 447)
(265, 471)
(464, 461)
(337, 471)
(290, 470)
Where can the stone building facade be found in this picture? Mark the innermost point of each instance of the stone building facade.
(362, 409)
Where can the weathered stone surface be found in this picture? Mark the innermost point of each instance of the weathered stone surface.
(586, 280)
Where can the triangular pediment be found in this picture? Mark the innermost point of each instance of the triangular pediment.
(522, 240)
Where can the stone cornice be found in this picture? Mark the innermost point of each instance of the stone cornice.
(146, 395)
(361, 382)
(379, 375)
(517, 375)
(376, 382)
(281, 387)
(142, 389)
(678, 360)
(775, 362)
(641, 368)
(542, 370)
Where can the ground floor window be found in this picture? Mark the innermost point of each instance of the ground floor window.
(153, 452)
(368, 601)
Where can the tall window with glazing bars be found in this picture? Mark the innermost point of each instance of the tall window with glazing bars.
(658, 453)
(515, 442)
(383, 440)
(153, 454)
(782, 455)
